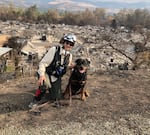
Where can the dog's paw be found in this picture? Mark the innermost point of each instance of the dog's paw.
(83, 97)
(87, 94)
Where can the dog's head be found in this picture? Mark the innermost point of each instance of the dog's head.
(82, 65)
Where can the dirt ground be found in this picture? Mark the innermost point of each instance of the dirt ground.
(119, 104)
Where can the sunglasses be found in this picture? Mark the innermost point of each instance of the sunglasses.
(69, 43)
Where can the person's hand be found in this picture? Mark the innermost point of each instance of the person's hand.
(41, 80)
(71, 66)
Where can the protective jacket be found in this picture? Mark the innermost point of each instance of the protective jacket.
(51, 60)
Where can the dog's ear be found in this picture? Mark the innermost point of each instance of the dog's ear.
(88, 62)
(78, 61)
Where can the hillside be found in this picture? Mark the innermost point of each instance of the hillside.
(75, 5)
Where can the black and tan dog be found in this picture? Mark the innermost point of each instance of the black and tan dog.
(77, 80)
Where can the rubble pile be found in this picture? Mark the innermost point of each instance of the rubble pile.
(106, 48)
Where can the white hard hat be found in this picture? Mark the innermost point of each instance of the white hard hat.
(70, 37)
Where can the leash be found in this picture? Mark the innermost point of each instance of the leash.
(70, 95)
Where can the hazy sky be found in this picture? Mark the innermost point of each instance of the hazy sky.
(126, 1)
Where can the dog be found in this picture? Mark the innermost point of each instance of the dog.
(77, 80)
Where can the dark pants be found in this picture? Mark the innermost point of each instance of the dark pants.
(54, 89)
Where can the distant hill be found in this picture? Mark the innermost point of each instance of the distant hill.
(74, 5)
